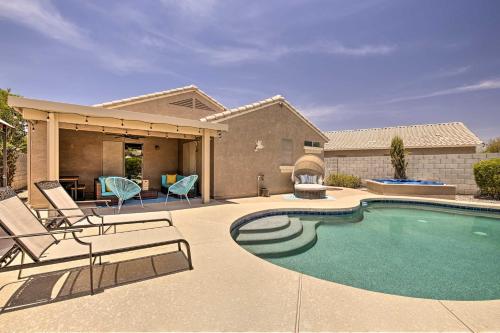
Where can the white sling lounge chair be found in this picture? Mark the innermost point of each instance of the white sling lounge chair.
(74, 217)
(40, 244)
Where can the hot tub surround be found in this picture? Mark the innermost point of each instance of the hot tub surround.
(412, 188)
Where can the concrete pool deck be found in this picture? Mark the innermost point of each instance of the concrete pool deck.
(228, 290)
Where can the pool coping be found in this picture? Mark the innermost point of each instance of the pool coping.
(351, 210)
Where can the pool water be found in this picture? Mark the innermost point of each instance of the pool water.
(406, 251)
(407, 181)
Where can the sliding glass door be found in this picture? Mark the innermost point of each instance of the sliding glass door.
(134, 162)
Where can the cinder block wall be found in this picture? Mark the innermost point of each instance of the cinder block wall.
(455, 169)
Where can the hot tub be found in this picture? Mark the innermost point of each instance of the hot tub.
(411, 187)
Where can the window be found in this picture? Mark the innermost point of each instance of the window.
(286, 152)
(312, 144)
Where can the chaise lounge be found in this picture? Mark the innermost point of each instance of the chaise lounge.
(73, 215)
(43, 248)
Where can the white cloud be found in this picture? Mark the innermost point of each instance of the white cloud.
(271, 52)
(483, 85)
(318, 112)
(202, 8)
(450, 72)
(363, 50)
(44, 17)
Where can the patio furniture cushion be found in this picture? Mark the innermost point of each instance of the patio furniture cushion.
(107, 194)
(171, 179)
(310, 187)
(104, 187)
(17, 219)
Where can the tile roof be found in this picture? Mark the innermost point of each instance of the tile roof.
(454, 134)
(189, 88)
(216, 117)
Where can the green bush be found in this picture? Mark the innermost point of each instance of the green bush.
(398, 157)
(493, 146)
(343, 180)
(487, 175)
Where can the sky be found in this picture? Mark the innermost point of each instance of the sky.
(344, 64)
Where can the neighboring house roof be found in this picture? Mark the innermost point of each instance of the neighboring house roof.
(454, 134)
(235, 112)
(165, 93)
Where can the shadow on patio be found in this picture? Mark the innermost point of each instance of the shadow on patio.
(71, 283)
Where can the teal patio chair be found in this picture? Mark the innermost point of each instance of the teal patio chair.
(182, 187)
(124, 189)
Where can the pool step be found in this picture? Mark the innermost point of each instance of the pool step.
(266, 224)
(277, 249)
(293, 230)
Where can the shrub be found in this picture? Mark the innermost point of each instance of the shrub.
(487, 175)
(398, 154)
(343, 180)
(493, 146)
(16, 138)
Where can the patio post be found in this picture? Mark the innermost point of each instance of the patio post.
(205, 166)
(52, 146)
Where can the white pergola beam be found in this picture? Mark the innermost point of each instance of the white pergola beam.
(111, 130)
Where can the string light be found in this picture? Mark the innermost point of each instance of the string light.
(86, 119)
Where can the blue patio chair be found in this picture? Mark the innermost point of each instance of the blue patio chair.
(124, 189)
(182, 187)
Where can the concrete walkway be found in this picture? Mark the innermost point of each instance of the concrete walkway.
(228, 290)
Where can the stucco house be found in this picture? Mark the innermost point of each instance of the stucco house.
(429, 139)
(181, 131)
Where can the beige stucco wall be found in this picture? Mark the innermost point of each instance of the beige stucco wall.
(414, 151)
(237, 164)
(81, 154)
(163, 106)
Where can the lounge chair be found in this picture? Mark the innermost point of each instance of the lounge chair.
(123, 189)
(73, 216)
(41, 245)
(182, 187)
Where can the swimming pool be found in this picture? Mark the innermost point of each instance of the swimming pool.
(397, 248)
